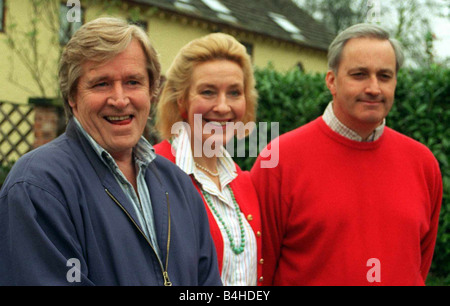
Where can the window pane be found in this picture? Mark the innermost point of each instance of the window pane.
(248, 47)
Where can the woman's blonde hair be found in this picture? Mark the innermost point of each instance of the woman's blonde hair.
(100, 40)
(216, 46)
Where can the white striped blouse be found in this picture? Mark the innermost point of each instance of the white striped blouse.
(237, 270)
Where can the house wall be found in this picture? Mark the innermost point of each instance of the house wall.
(16, 83)
(168, 32)
(283, 56)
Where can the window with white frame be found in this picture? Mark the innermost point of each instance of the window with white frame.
(249, 47)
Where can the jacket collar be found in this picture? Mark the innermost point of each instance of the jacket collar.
(152, 176)
(104, 174)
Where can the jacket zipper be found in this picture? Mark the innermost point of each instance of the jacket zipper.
(167, 281)
(164, 271)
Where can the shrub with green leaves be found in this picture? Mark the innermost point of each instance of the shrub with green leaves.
(4, 170)
(290, 99)
(421, 111)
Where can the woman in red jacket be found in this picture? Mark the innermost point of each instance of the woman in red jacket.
(209, 96)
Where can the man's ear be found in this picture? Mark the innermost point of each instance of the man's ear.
(71, 103)
(330, 80)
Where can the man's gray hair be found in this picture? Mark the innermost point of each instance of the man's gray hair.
(101, 40)
(361, 30)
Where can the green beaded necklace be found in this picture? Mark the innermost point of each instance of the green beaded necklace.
(236, 250)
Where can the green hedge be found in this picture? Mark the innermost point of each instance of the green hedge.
(4, 169)
(421, 111)
(290, 99)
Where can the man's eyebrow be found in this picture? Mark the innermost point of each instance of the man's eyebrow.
(97, 79)
(136, 76)
(358, 68)
(362, 68)
(387, 70)
(100, 78)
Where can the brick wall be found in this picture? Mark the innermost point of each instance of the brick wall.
(49, 120)
(46, 123)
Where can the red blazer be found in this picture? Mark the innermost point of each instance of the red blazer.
(247, 199)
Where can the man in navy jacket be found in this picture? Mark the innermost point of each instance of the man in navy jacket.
(96, 206)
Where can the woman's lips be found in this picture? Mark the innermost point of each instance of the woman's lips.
(217, 123)
(221, 123)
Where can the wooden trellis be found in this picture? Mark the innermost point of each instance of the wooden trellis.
(16, 130)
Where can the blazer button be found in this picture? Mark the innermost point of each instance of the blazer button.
(258, 234)
(261, 261)
(261, 279)
(249, 217)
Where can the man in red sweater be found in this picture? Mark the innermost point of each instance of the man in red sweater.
(351, 201)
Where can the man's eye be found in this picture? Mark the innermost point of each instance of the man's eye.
(133, 82)
(101, 84)
(207, 92)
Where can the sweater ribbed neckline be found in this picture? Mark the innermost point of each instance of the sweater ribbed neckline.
(372, 145)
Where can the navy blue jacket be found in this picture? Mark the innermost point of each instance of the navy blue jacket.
(61, 210)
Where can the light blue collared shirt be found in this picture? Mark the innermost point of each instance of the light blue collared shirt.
(143, 154)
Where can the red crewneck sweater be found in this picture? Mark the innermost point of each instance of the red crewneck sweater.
(341, 212)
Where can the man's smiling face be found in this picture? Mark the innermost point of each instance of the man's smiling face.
(113, 100)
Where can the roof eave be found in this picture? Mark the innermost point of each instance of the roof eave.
(243, 28)
(231, 25)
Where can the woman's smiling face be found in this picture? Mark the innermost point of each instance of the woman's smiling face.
(217, 94)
